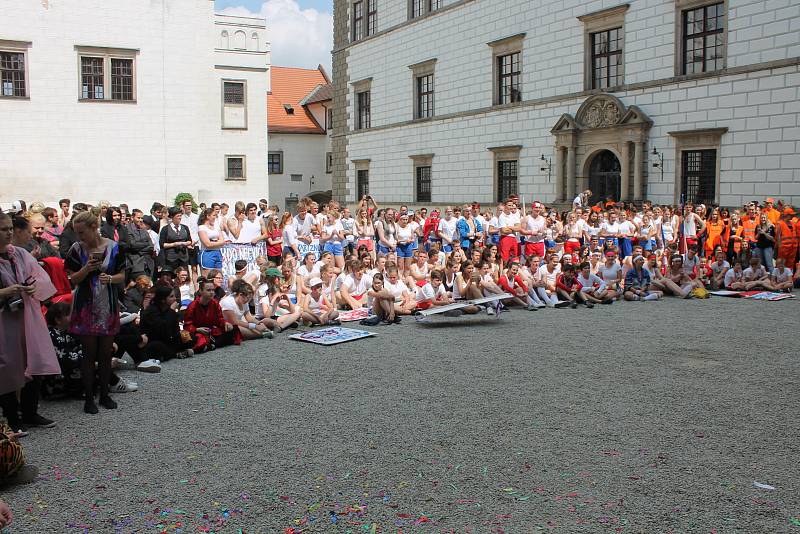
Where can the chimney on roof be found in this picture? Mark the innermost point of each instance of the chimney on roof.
(289, 109)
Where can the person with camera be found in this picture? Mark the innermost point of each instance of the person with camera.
(25, 348)
(95, 265)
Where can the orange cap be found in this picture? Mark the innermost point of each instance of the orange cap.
(788, 211)
(770, 200)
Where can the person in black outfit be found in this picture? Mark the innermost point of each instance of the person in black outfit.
(175, 240)
(68, 236)
(140, 247)
(113, 229)
(160, 324)
(154, 219)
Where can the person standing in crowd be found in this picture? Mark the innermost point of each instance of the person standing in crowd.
(749, 223)
(112, 228)
(52, 228)
(386, 232)
(28, 234)
(253, 229)
(95, 265)
(332, 238)
(141, 252)
(153, 219)
(174, 241)
(68, 236)
(305, 224)
(63, 213)
(508, 222)
(787, 237)
(233, 225)
(25, 347)
(189, 219)
(211, 241)
(274, 239)
(765, 241)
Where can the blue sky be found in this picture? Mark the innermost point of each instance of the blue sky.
(255, 5)
(300, 32)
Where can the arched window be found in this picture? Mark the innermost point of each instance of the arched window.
(254, 42)
(239, 40)
(224, 40)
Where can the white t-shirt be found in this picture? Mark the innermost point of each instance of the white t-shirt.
(304, 272)
(404, 235)
(750, 274)
(592, 283)
(303, 227)
(609, 274)
(426, 293)
(508, 219)
(782, 276)
(249, 231)
(610, 228)
(627, 228)
(717, 268)
(448, 229)
(732, 276)
(289, 236)
(359, 287)
(537, 225)
(228, 303)
(330, 228)
(397, 289)
(211, 233)
(547, 276)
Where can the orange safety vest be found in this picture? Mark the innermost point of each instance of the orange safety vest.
(749, 229)
(773, 215)
(789, 236)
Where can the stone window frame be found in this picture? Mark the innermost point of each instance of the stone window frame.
(224, 105)
(595, 22)
(503, 47)
(417, 161)
(418, 70)
(361, 86)
(503, 153)
(107, 54)
(18, 47)
(278, 153)
(328, 162)
(685, 5)
(700, 139)
(241, 178)
(360, 165)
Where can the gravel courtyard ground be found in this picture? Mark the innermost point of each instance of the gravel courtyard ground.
(637, 417)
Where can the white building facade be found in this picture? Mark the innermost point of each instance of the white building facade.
(131, 102)
(445, 101)
(299, 129)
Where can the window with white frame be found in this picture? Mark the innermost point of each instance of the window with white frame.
(13, 69)
(235, 168)
(107, 74)
(234, 105)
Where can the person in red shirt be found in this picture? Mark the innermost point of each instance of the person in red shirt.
(429, 229)
(204, 321)
(569, 288)
(512, 283)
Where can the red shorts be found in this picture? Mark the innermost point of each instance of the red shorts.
(424, 304)
(571, 245)
(534, 249)
(509, 247)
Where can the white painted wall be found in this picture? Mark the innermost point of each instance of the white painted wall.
(302, 154)
(759, 155)
(167, 142)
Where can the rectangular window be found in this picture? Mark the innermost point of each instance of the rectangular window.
(296, 177)
(329, 119)
(422, 7)
(703, 39)
(92, 80)
(12, 74)
(234, 92)
(234, 168)
(372, 17)
(363, 117)
(358, 20)
(121, 79)
(509, 72)
(699, 182)
(275, 163)
(423, 184)
(362, 183)
(607, 58)
(425, 96)
(507, 179)
(329, 162)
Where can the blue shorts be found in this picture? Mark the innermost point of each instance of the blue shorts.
(405, 251)
(211, 259)
(447, 249)
(381, 249)
(290, 250)
(334, 248)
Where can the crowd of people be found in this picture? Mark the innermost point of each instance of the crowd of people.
(88, 290)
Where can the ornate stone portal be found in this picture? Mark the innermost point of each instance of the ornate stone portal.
(602, 123)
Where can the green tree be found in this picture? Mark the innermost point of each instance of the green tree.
(180, 198)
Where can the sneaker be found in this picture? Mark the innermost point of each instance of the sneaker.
(589, 304)
(107, 403)
(149, 366)
(562, 304)
(532, 307)
(188, 353)
(397, 319)
(267, 334)
(126, 363)
(90, 407)
(573, 304)
(39, 421)
(490, 311)
(370, 321)
(123, 386)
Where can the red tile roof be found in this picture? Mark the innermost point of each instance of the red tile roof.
(289, 87)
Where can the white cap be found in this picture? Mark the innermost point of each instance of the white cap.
(16, 206)
(316, 281)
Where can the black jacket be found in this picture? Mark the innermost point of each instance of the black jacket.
(140, 251)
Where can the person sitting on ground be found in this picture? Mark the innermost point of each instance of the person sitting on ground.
(593, 288)
(756, 277)
(433, 293)
(718, 270)
(611, 273)
(134, 295)
(569, 289)
(381, 301)
(734, 278)
(278, 309)
(160, 323)
(404, 300)
(317, 309)
(511, 282)
(6, 515)
(637, 282)
(204, 321)
(467, 286)
(682, 284)
(355, 286)
(781, 277)
(236, 310)
(12, 465)
(549, 274)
